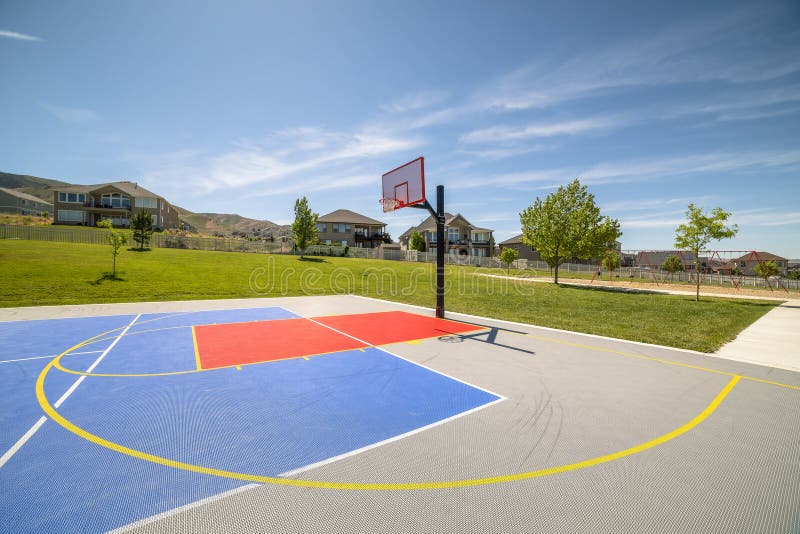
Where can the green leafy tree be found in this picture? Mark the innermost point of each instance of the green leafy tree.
(765, 269)
(567, 224)
(304, 227)
(793, 275)
(610, 262)
(116, 239)
(386, 238)
(142, 225)
(698, 231)
(416, 242)
(672, 265)
(508, 256)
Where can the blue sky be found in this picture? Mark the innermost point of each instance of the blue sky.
(241, 107)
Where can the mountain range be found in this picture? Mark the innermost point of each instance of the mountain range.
(202, 223)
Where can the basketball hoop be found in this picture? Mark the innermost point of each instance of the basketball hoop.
(389, 204)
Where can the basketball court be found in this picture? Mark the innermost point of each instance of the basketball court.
(346, 413)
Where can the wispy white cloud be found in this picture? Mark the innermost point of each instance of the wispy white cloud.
(70, 114)
(765, 217)
(416, 101)
(650, 204)
(640, 170)
(499, 134)
(19, 36)
(300, 159)
(695, 164)
(506, 152)
(689, 53)
(651, 222)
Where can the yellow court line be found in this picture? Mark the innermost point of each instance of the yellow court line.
(658, 360)
(196, 350)
(58, 418)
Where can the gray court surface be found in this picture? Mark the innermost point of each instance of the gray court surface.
(595, 435)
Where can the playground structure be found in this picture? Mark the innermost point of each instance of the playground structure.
(732, 267)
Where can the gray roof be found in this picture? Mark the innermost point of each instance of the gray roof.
(347, 216)
(430, 224)
(760, 256)
(25, 196)
(512, 240)
(131, 188)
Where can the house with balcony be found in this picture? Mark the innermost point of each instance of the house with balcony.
(117, 201)
(351, 229)
(19, 203)
(462, 238)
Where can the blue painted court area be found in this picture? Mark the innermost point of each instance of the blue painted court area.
(264, 419)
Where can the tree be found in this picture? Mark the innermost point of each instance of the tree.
(508, 256)
(304, 226)
(567, 224)
(699, 231)
(116, 239)
(672, 265)
(765, 269)
(386, 238)
(142, 225)
(416, 242)
(610, 262)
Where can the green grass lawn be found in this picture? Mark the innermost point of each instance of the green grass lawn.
(35, 273)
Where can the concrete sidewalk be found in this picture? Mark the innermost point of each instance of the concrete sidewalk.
(773, 340)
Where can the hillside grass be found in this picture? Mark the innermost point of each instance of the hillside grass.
(36, 273)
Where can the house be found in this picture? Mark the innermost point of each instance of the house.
(526, 252)
(747, 264)
(462, 237)
(654, 259)
(19, 203)
(117, 201)
(348, 228)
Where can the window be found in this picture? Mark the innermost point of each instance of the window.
(75, 198)
(320, 227)
(432, 237)
(146, 202)
(453, 234)
(115, 200)
(70, 215)
(341, 227)
(344, 242)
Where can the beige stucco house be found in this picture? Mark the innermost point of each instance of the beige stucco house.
(348, 228)
(462, 237)
(119, 201)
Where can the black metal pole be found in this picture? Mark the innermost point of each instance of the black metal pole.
(440, 246)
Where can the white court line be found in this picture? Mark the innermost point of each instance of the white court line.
(18, 445)
(184, 508)
(49, 356)
(332, 459)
